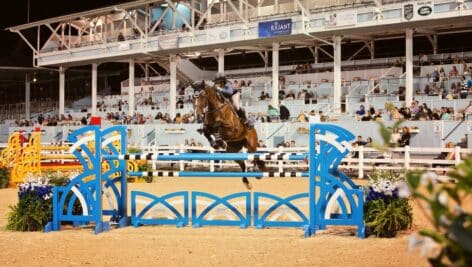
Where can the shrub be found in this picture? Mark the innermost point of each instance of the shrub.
(385, 213)
(4, 177)
(34, 208)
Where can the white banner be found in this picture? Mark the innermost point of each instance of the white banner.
(418, 11)
(341, 18)
(218, 35)
(167, 41)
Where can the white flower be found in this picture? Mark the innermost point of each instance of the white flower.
(428, 177)
(427, 245)
(444, 220)
(442, 198)
(403, 190)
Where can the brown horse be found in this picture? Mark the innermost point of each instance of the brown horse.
(220, 119)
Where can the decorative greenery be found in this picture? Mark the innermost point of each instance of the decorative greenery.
(146, 168)
(4, 177)
(449, 243)
(450, 240)
(34, 208)
(385, 213)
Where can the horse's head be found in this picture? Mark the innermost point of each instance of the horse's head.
(200, 99)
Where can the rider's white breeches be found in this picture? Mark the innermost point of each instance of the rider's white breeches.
(236, 101)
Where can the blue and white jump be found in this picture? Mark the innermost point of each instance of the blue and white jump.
(331, 198)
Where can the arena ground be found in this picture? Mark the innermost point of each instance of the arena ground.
(207, 246)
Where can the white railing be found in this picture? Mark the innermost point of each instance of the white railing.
(361, 159)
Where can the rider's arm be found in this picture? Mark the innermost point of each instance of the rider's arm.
(227, 90)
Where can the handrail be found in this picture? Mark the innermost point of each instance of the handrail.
(453, 129)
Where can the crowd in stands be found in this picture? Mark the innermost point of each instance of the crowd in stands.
(416, 112)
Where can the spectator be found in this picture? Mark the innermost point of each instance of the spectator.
(302, 117)
(272, 113)
(405, 137)
(453, 72)
(442, 75)
(359, 141)
(361, 111)
(261, 144)
(435, 75)
(290, 95)
(284, 113)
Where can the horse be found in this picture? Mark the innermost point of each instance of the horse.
(219, 118)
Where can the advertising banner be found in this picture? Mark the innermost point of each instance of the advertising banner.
(167, 41)
(218, 35)
(418, 11)
(275, 28)
(341, 18)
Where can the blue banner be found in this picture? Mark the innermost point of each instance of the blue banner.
(275, 28)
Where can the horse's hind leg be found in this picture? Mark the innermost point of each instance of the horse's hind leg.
(236, 147)
(245, 180)
(251, 144)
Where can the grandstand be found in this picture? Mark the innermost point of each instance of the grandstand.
(329, 56)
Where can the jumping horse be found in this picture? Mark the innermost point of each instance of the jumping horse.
(220, 119)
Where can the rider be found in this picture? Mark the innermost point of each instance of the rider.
(226, 88)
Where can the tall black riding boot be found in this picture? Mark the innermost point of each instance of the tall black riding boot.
(242, 117)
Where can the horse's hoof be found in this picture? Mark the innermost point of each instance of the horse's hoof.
(248, 186)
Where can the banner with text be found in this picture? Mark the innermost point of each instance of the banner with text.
(341, 18)
(418, 11)
(275, 28)
(218, 35)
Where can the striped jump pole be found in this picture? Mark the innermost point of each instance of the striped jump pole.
(218, 174)
(169, 156)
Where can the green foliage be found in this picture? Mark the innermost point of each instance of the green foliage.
(4, 177)
(146, 168)
(452, 224)
(30, 214)
(134, 150)
(384, 218)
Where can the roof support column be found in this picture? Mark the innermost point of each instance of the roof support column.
(221, 61)
(146, 71)
(62, 87)
(316, 54)
(275, 74)
(131, 90)
(337, 74)
(27, 97)
(94, 89)
(173, 86)
(409, 67)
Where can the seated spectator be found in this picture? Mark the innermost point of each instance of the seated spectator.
(359, 141)
(453, 72)
(445, 155)
(445, 115)
(284, 113)
(272, 113)
(368, 142)
(427, 90)
(361, 111)
(421, 115)
(442, 75)
(367, 116)
(263, 96)
(290, 95)
(302, 117)
(405, 137)
(261, 144)
(282, 94)
(435, 75)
